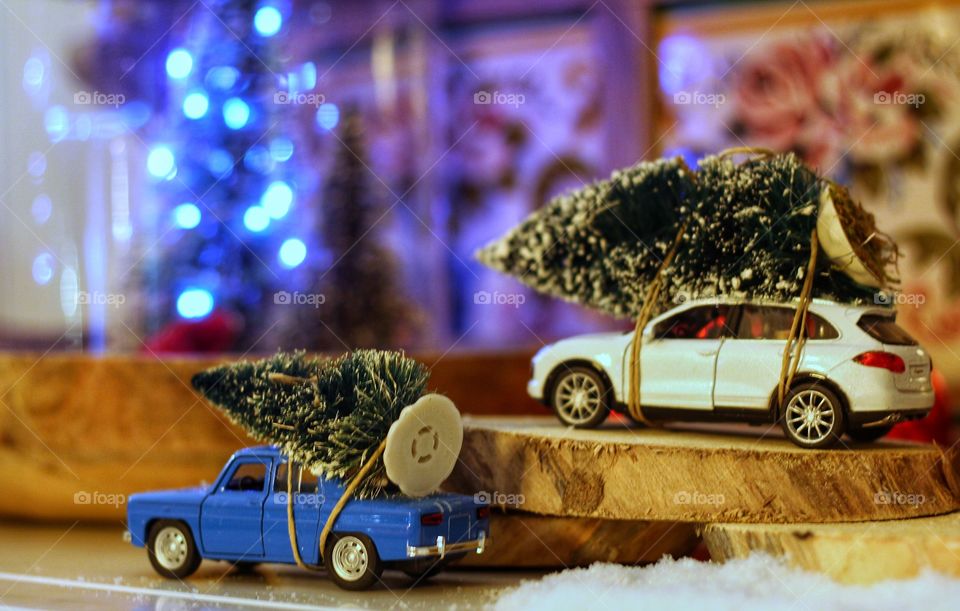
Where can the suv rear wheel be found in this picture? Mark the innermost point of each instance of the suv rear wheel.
(812, 416)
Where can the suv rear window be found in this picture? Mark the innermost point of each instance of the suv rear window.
(885, 329)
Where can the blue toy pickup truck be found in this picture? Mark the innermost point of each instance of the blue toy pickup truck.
(242, 518)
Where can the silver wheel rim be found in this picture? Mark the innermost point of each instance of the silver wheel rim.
(350, 559)
(578, 397)
(170, 548)
(810, 416)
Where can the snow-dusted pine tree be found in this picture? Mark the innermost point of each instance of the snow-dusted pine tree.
(747, 232)
(329, 414)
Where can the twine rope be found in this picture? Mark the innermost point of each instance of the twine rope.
(355, 482)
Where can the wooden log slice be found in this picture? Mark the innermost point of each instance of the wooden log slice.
(523, 540)
(696, 475)
(859, 553)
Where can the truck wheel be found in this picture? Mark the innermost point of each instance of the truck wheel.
(579, 396)
(171, 549)
(425, 568)
(868, 434)
(352, 561)
(813, 416)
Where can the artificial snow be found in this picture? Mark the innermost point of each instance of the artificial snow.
(759, 582)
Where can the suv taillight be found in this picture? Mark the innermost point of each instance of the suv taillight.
(431, 519)
(483, 513)
(883, 360)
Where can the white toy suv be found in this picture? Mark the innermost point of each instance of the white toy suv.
(719, 360)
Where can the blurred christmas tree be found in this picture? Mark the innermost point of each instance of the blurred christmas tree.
(222, 171)
(363, 305)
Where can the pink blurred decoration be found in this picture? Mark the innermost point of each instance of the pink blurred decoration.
(214, 334)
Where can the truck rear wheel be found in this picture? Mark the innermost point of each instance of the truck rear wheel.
(352, 561)
(172, 550)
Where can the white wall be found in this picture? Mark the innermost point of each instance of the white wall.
(76, 179)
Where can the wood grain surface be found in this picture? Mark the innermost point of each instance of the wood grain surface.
(697, 475)
(849, 553)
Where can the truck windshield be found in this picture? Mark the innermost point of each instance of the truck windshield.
(885, 329)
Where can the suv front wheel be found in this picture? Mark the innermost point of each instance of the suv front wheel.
(579, 396)
(812, 416)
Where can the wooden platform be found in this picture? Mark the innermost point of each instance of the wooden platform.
(697, 475)
(849, 553)
(522, 540)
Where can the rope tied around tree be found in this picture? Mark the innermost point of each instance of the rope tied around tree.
(646, 313)
(792, 352)
(352, 486)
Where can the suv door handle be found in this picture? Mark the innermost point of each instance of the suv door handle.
(706, 352)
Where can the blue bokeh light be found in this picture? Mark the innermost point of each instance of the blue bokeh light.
(194, 303)
(41, 209)
(277, 199)
(222, 77)
(43, 266)
(256, 219)
(161, 162)
(57, 123)
(195, 105)
(236, 113)
(179, 64)
(186, 215)
(328, 115)
(267, 21)
(292, 253)
(281, 149)
(220, 162)
(684, 63)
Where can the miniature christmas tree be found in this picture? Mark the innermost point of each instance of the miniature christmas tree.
(329, 414)
(364, 270)
(746, 230)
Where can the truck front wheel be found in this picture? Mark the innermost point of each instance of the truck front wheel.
(171, 549)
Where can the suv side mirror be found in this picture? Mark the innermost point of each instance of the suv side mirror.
(647, 335)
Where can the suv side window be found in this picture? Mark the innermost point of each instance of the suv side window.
(774, 322)
(702, 322)
(303, 481)
(247, 477)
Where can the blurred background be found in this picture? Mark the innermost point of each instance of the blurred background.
(212, 176)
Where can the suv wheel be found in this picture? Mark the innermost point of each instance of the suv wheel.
(812, 416)
(579, 396)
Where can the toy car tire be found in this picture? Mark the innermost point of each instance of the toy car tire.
(425, 568)
(172, 550)
(580, 397)
(352, 561)
(866, 435)
(812, 416)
